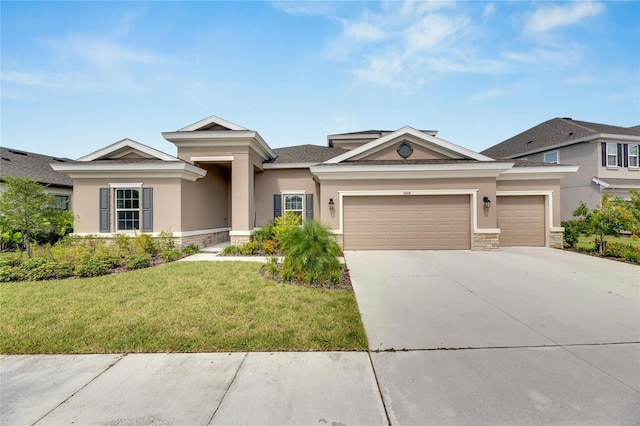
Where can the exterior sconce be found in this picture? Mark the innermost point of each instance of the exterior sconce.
(487, 202)
(332, 205)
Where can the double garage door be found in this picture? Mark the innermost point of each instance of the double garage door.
(435, 222)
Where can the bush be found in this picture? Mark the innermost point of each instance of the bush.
(32, 263)
(137, 261)
(94, 265)
(165, 241)
(265, 233)
(170, 255)
(190, 249)
(231, 250)
(11, 273)
(249, 248)
(143, 243)
(571, 235)
(271, 267)
(45, 271)
(269, 246)
(282, 225)
(10, 259)
(310, 252)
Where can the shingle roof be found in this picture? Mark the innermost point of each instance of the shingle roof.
(553, 132)
(19, 163)
(306, 154)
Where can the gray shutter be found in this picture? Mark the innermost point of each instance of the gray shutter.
(147, 209)
(604, 154)
(619, 155)
(625, 151)
(105, 222)
(309, 206)
(277, 205)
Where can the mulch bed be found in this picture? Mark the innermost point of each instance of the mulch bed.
(345, 281)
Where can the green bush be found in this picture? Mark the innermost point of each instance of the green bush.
(265, 233)
(272, 267)
(93, 265)
(138, 261)
(143, 243)
(10, 259)
(310, 252)
(32, 263)
(282, 225)
(170, 255)
(249, 248)
(572, 230)
(165, 242)
(45, 271)
(11, 273)
(231, 250)
(190, 249)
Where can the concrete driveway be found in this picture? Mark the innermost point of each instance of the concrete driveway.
(519, 336)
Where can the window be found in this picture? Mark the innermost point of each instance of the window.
(633, 155)
(127, 209)
(551, 157)
(62, 202)
(612, 155)
(293, 203)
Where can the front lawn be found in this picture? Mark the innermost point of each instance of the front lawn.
(587, 243)
(176, 307)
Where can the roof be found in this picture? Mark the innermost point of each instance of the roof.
(617, 183)
(306, 154)
(20, 163)
(554, 132)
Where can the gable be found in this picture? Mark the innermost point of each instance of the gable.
(127, 149)
(211, 123)
(430, 147)
(406, 148)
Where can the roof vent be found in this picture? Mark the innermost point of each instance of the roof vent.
(570, 133)
(17, 152)
(59, 160)
(530, 141)
(567, 118)
(6, 159)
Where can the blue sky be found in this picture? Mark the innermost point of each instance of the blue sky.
(77, 76)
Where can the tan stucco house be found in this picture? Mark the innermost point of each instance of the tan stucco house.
(608, 157)
(402, 189)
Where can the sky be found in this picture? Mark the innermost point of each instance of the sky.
(78, 76)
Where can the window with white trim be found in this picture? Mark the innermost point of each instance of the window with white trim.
(634, 155)
(294, 203)
(612, 155)
(127, 209)
(551, 157)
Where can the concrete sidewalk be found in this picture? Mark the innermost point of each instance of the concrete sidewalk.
(536, 385)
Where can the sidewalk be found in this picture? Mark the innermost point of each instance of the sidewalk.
(333, 388)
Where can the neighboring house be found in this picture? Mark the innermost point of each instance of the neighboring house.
(403, 189)
(608, 157)
(18, 163)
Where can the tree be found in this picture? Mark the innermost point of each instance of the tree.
(25, 207)
(612, 217)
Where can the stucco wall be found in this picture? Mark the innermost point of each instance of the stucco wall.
(205, 202)
(166, 203)
(272, 181)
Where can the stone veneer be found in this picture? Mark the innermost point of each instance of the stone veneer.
(486, 242)
(203, 240)
(238, 240)
(556, 239)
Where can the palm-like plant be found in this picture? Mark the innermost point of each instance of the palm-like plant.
(310, 252)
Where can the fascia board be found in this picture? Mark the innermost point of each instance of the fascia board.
(222, 138)
(619, 138)
(529, 173)
(104, 152)
(173, 169)
(211, 120)
(410, 171)
(363, 150)
(606, 185)
(288, 165)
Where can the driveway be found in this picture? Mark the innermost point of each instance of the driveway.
(519, 336)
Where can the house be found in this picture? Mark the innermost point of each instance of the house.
(376, 189)
(608, 157)
(18, 163)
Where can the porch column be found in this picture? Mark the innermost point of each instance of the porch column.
(241, 199)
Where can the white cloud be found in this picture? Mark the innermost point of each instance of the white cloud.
(489, 9)
(362, 31)
(548, 17)
(489, 94)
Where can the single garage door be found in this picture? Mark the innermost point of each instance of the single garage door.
(407, 222)
(521, 220)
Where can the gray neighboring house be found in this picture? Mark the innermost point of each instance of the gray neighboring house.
(18, 163)
(608, 156)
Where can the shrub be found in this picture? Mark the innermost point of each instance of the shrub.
(143, 243)
(269, 246)
(93, 265)
(571, 232)
(282, 225)
(231, 250)
(123, 244)
(265, 233)
(45, 271)
(11, 273)
(165, 241)
(190, 249)
(170, 255)
(32, 263)
(272, 267)
(10, 259)
(310, 252)
(137, 261)
(249, 248)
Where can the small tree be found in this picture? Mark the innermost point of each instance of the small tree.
(26, 208)
(613, 216)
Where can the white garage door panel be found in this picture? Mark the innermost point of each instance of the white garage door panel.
(407, 222)
(521, 220)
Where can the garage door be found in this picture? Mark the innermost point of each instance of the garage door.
(407, 222)
(521, 220)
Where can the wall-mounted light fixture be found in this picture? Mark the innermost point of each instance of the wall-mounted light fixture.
(487, 202)
(332, 205)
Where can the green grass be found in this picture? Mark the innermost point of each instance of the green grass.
(588, 243)
(177, 307)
